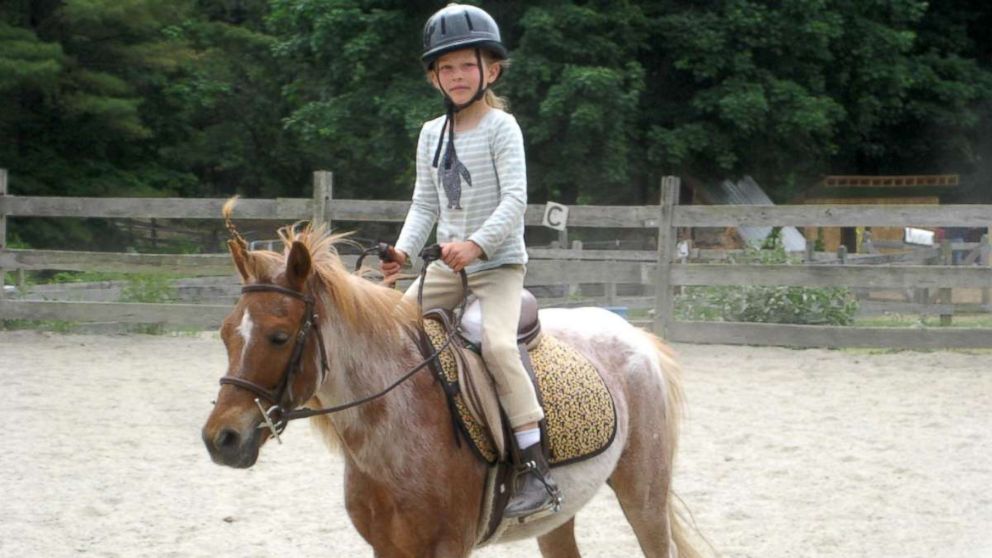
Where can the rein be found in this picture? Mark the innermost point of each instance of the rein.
(276, 418)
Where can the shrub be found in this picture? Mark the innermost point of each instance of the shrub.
(769, 304)
(148, 288)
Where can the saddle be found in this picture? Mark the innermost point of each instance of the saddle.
(580, 416)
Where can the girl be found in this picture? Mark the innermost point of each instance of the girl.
(471, 181)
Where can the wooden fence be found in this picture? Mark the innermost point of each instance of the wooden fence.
(890, 276)
(660, 273)
(549, 267)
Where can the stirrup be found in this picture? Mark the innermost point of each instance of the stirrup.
(539, 472)
(554, 493)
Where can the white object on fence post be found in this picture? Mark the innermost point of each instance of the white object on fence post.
(323, 193)
(555, 217)
(3, 232)
(664, 304)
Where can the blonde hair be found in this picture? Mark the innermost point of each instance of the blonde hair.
(495, 101)
(490, 97)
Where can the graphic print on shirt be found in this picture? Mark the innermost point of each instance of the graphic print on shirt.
(451, 174)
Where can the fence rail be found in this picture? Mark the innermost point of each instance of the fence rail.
(832, 216)
(942, 278)
(660, 274)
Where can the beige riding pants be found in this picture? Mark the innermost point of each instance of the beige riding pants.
(498, 291)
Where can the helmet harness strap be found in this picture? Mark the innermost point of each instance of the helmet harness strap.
(451, 109)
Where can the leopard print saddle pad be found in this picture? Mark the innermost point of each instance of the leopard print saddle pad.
(579, 411)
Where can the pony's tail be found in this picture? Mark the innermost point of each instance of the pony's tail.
(681, 526)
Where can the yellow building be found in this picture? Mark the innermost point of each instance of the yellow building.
(879, 190)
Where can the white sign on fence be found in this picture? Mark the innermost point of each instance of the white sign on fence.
(555, 216)
(921, 237)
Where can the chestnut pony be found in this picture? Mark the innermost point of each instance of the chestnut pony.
(409, 490)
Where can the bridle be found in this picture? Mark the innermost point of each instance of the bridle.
(277, 397)
(277, 417)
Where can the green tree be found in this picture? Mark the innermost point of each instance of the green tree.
(83, 77)
(576, 86)
(359, 94)
(142, 97)
(790, 90)
(212, 97)
(227, 112)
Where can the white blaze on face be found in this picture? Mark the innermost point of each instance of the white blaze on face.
(245, 330)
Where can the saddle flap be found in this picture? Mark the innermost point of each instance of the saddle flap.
(479, 392)
(470, 388)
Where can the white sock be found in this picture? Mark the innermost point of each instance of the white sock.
(527, 438)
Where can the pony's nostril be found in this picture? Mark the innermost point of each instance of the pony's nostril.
(228, 439)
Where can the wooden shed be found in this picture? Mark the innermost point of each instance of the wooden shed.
(879, 190)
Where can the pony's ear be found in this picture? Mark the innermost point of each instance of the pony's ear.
(239, 253)
(298, 265)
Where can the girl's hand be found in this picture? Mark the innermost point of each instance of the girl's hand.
(391, 267)
(459, 254)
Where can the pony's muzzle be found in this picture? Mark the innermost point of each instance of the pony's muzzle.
(228, 446)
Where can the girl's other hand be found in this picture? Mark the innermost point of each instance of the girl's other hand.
(391, 267)
(459, 254)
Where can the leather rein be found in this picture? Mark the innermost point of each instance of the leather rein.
(277, 417)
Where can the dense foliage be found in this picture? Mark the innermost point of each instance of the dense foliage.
(212, 97)
(767, 304)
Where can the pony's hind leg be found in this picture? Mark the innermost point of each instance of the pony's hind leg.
(641, 487)
(560, 543)
(642, 479)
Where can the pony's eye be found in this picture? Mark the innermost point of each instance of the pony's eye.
(279, 338)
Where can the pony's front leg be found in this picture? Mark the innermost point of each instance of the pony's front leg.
(399, 525)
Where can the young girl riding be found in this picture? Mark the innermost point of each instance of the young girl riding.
(472, 182)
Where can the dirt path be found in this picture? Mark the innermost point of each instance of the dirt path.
(784, 453)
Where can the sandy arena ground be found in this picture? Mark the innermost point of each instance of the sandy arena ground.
(784, 453)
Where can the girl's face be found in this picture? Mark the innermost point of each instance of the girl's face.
(457, 74)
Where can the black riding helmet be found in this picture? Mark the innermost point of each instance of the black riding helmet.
(454, 27)
(458, 26)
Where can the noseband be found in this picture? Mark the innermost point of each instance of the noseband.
(278, 395)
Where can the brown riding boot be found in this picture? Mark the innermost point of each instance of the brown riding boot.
(534, 490)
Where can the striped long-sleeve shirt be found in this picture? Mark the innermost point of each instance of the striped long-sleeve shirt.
(484, 201)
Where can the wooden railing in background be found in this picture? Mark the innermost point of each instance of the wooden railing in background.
(660, 274)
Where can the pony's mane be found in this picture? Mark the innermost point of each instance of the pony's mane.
(364, 306)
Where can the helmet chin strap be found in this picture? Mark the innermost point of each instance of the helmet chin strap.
(451, 108)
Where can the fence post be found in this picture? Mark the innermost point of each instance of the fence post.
(985, 259)
(574, 289)
(3, 231)
(944, 294)
(664, 304)
(610, 291)
(323, 192)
